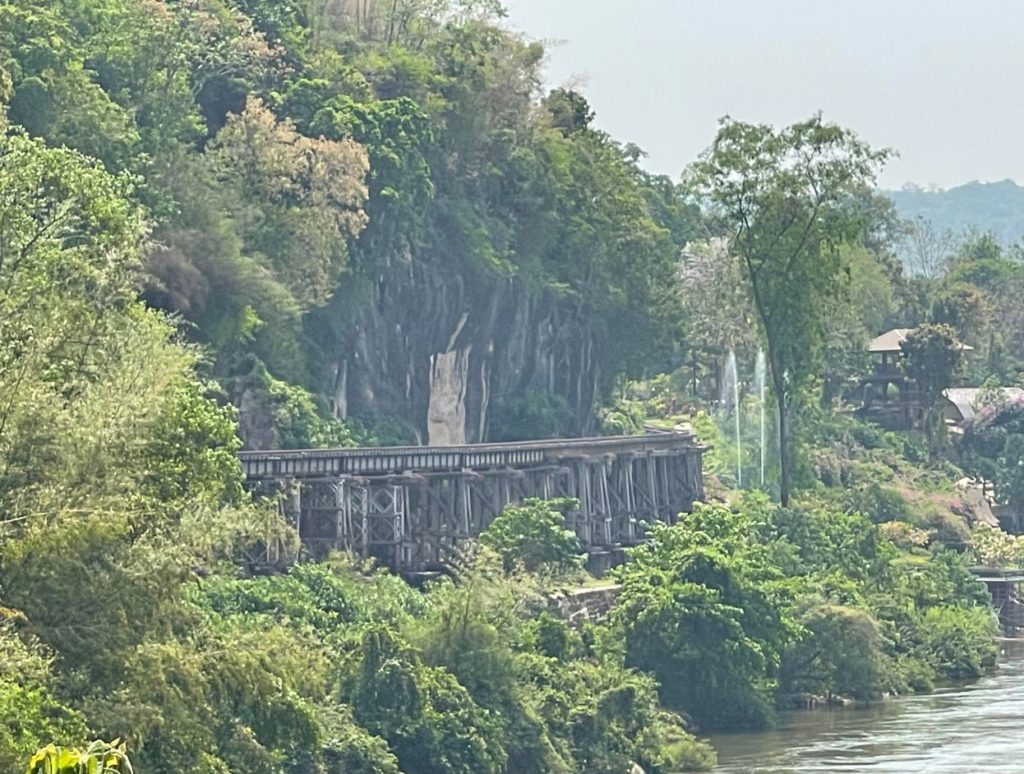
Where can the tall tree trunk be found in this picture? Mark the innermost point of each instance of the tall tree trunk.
(779, 385)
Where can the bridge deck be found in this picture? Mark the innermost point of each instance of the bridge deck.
(312, 463)
(409, 505)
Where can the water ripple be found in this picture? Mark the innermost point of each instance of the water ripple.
(973, 728)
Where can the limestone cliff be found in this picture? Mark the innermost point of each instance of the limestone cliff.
(440, 348)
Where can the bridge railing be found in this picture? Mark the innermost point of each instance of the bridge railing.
(310, 463)
(410, 505)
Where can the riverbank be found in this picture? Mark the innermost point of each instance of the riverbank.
(966, 728)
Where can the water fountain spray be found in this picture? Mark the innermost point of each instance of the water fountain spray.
(731, 391)
(759, 376)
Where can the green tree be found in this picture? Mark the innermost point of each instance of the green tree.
(533, 535)
(69, 243)
(959, 640)
(784, 200)
(430, 721)
(301, 198)
(471, 629)
(933, 358)
(30, 709)
(839, 654)
(99, 400)
(965, 309)
(704, 609)
(853, 320)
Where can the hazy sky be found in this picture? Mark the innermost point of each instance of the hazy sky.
(939, 80)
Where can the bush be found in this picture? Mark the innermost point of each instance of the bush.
(326, 596)
(623, 417)
(840, 654)
(873, 437)
(995, 548)
(349, 748)
(382, 431)
(903, 535)
(959, 642)
(879, 503)
(285, 415)
(945, 527)
(300, 423)
(97, 757)
(309, 595)
(676, 748)
(534, 536)
(703, 609)
(29, 712)
(430, 721)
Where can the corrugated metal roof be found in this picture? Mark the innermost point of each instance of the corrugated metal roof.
(966, 398)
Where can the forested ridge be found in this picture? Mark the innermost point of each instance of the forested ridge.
(315, 223)
(367, 201)
(992, 207)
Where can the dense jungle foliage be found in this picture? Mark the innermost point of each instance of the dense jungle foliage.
(288, 153)
(196, 198)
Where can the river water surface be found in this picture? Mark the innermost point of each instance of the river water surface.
(973, 728)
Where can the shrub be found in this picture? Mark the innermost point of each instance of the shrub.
(903, 535)
(350, 748)
(879, 503)
(995, 548)
(533, 535)
(945, 527)
(430, 722)
(97, 757)
(29, 711)
(623, 417)
(959, 642)
(703, 609)
(840, 654)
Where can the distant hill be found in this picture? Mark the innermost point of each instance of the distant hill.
(994, 207)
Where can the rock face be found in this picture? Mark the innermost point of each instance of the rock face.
(584, 605)
(255, 422)
(446, 404)
(441, 347)
(972, 504)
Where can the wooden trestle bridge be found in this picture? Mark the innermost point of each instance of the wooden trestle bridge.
(407, 506)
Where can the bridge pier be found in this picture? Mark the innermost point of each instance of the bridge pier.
(1005, 587)
(409, 506)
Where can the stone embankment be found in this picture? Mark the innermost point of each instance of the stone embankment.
(578, 606)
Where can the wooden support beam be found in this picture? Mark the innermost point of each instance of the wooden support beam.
(409, 506)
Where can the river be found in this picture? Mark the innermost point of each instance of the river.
(977, 727)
